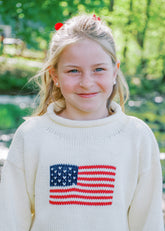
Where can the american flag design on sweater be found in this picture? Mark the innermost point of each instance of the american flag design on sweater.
(91, 185)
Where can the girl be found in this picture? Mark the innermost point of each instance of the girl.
(81, 163)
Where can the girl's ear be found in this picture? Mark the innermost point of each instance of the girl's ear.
(53, 74)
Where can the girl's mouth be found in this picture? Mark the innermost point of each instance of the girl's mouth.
(88, 95)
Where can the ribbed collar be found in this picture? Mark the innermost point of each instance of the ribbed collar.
(117, 118)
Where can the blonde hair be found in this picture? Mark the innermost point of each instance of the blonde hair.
(74, 30)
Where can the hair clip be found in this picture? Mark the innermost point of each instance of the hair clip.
(58, 25)
(96, 18)
(118, 64)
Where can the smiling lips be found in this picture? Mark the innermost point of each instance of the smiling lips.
(87, 95)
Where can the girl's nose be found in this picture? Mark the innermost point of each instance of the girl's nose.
(86, 80)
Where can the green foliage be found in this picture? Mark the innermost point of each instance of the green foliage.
(138, 27)
(153, 114)
(33, 19)
(163, 172)
(14, 77)
(142, 86)
(11, 116)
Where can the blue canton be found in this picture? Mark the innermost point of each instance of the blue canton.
(63, 175)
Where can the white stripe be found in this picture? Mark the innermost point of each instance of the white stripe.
(81, 193)
(81, 200)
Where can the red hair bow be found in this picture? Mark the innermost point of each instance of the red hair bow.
(96, 18)
(58, 25)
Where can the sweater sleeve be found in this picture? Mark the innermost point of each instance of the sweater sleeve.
(15, 206)
(145, 212)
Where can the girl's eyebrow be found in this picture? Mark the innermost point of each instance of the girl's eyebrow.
(98, 64)
(74, 65)
(71, 65)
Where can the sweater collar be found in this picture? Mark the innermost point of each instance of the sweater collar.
(116, 117)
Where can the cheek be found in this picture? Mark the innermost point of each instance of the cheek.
(67, 85)
(107, 85)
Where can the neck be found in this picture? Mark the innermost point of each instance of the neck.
(83, 116)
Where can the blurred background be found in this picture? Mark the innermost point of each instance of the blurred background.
(138, 27)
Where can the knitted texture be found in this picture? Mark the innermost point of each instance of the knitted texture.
(99, 178)
(82, 175)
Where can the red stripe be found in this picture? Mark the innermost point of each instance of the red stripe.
(97, 166)
(96, 179)
(97, 173)
(95, 185)
(79, 190)
(79, 203)
(82, 197)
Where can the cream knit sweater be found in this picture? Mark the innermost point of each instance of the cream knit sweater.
(82, 176)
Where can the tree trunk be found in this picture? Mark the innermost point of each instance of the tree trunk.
(111, 5)
(141, 35)
(125, 49)
(127, 34)
(163, 71)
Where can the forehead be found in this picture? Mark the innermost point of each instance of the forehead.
(84, 51)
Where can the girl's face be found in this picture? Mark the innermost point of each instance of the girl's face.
(86, 77)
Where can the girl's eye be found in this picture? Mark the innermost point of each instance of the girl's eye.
(73, 71)
(99, 69)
